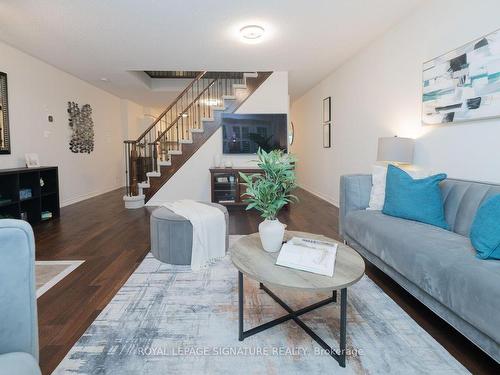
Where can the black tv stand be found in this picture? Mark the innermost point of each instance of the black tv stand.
(227, 186)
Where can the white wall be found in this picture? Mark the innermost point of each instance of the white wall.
(37, 90)
(192, 181)
(135, 118)
(378, 93)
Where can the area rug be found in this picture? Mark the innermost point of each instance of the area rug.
(49, 272)
(169, 320)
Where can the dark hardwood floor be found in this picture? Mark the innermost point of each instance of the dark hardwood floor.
(113, 241)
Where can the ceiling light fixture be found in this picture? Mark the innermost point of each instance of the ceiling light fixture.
(252, 32)
(104, 79)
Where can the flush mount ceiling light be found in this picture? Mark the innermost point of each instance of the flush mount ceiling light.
(252, 33)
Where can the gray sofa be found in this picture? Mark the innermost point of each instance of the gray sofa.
(436, 266)
(18, 316)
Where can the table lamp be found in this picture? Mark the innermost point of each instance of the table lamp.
(396, 150)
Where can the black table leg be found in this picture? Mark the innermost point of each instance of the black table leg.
(294, 315)
(343, 326)
(240, 305)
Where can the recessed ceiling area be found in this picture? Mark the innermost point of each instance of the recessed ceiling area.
(171, 74)
(116, 39)
(180, 74)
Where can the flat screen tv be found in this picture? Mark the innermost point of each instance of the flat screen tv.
(245, 133)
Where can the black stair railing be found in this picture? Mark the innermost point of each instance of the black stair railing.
(175, 125)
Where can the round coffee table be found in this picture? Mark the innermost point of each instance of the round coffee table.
(253, 261)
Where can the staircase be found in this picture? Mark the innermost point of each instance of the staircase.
(181, 129)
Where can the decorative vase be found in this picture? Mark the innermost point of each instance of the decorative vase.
(271, 235)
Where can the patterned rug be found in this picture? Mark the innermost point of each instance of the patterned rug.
(169, 320)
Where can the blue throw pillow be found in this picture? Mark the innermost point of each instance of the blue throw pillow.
(485, 230)
(414, 199)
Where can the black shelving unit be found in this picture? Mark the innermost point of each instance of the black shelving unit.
(227, 187)
(41, 198)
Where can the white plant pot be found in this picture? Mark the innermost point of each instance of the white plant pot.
(271, 234)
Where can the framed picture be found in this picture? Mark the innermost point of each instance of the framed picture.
(327, 135)
(4, 116)
(327, 109)
(32, 160)
(464, 84)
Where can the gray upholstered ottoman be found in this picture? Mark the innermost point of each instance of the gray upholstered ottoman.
(172, 235)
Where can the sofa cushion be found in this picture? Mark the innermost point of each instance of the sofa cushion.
(377, 194)
(462, 200)
(415, 199)
(440, 262)
(485, 230)
(18, 363)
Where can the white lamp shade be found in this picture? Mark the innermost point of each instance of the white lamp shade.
(395, 149)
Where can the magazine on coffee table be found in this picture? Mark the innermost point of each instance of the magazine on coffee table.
(308, 255)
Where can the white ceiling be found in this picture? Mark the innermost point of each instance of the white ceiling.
(92, 39)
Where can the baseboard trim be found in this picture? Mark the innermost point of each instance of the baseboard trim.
(89, 195)
(319, 195)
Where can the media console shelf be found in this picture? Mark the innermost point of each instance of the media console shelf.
(227, 186)
(22, 195)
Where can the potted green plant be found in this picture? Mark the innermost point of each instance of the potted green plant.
(269, 192)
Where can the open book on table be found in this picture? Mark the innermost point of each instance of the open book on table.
(308, 255)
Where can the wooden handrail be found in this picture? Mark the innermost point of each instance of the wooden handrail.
(198, 77)
(185, 110)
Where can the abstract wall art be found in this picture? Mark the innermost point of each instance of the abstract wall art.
(463, 85)
(82, 126)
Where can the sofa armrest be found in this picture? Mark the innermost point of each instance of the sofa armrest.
(354, 195)
(19, 363)
(18, 313)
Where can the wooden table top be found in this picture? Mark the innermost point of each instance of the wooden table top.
(252, 260)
